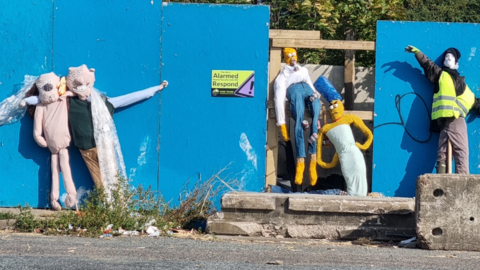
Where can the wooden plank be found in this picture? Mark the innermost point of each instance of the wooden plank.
(294, 34)
(364, 115)
(324, 44)
(272, 129)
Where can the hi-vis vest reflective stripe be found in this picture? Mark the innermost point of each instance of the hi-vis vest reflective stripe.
(447, 104)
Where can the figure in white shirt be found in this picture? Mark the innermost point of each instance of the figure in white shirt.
(295, 84)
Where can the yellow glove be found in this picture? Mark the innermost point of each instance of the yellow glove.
(284, 131)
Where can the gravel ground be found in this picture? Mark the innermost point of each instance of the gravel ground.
(33, 251)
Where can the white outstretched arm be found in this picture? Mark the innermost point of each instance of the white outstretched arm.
(137, 96)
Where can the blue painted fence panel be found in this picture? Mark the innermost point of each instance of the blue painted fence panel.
(121, 40)
(201, 134)
(25, 48)
(403, 146)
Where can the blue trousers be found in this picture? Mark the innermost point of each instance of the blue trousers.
(298, 94)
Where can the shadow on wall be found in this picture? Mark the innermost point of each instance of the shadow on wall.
(29, 149)
(416, 139)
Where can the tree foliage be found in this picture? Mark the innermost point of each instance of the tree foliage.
(443, 11)
(332, 18)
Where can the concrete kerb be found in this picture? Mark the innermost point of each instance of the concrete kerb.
(314, 216)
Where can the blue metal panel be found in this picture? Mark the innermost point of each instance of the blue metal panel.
(121, 40)
(25, 48)
(201, 134)
(403, 146)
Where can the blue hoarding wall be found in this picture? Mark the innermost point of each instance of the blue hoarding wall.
(404, 148)
(25, 48)
(200, 133)
(121, 40)
(176, 135)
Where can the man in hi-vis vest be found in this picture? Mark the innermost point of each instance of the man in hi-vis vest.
(452, 100)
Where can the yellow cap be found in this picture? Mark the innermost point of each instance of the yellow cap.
(289, 54)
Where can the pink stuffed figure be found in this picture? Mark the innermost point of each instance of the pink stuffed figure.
(51, 130)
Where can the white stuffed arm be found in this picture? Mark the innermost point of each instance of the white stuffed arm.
(137, 96)
(280, 96)
(33, 100)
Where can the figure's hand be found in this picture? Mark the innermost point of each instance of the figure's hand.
(163, 84)
(411, 49)
(284, 132)
(361, 146)
(33, 100)
(327, 143)
(23, 103)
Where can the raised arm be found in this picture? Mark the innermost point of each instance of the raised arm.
(129, 99)
(358, 123)
(431, 70)
(38, 127)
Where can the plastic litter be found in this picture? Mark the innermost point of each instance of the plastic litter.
(108, 229)
(130, 233)
(153, 231)
(150, 223)
(409, 243)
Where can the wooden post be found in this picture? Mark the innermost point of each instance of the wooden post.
(349, 74)
(272, 129)
(449, 157)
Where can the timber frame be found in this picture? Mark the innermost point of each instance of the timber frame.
(280, 39)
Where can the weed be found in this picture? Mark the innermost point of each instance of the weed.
(7, 215)
(128, 208)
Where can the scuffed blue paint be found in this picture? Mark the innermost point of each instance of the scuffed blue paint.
(25, 48)
(200, 134)
(402, 92)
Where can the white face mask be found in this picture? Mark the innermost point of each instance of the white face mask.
(450, 61)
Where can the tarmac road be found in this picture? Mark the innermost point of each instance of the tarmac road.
(33, 251)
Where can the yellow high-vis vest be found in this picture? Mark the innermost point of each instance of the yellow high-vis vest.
(445, 101)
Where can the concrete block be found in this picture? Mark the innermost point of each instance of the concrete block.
(314, 216)
(236, 228)
(448, 211)
(351, 204)
(248, 201)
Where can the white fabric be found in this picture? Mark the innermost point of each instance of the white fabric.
(287, 77)
(129, 99)
(450, 61)
(33, 100)
(351, 160)
(10, 108)
(108, 146)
